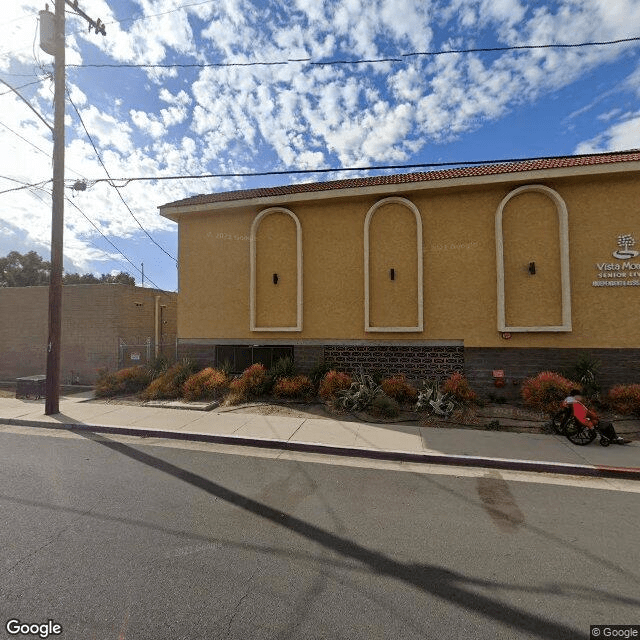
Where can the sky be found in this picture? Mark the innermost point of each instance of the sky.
(256, 86)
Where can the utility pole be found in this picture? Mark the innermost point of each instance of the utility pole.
(52, 383)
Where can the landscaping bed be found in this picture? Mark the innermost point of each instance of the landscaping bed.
(330, 393)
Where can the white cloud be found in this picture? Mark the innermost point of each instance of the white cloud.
(107, 129)
(149, 124)
(243, 118)
(620, 136)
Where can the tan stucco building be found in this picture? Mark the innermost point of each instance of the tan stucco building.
(515, 267)
(103, 326)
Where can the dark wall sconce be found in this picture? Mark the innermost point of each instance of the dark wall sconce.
(532, 268)
(275, 278)
(392, 274)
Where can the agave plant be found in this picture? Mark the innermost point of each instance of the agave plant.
(432, 400)
(360, 395)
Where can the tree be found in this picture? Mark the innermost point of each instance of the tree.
(30, 270)
(118, 278)
(105, 278)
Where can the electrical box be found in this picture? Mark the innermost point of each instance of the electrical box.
(48, 32)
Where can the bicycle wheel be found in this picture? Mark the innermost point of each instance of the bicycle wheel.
(581, 435)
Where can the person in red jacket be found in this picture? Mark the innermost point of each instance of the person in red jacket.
(591, 419)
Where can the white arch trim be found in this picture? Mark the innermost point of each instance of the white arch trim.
(252, 285)
(419, 295)
(565, 282)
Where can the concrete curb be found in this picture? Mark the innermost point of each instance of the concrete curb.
(540, 466)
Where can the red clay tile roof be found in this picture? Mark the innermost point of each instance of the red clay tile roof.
(516, 166)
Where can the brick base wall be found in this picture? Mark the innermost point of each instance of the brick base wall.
(438, 362)
(306, 357)
(616, 366)
(203, 354)
(416, 362)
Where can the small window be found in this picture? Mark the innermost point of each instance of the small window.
(240, 357)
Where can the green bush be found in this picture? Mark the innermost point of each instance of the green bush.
(332, 382)
(385, 407)
(546, 391)
(295, 388)
(123, 382)
(399, 389)
(319, 371)
(624, 398)
(169, 385)
(282, 368)
(208, 384)
(585, 372)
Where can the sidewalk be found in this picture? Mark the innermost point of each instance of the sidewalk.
(462, 447)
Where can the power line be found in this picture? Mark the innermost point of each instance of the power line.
(387, 167)
(402, 57)
(111, 181)
(48, 77)
(27, 186)
(156, 15)
(35, 146)
(72, 203)
(28, 104)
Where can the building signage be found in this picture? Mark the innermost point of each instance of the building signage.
(625, 271)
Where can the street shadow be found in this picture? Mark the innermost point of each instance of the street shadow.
(442, 583)
(510, 518)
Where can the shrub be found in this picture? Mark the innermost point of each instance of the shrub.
(208, 384)
(319, 371)
(624, 398)
(585, 372)
(122, 382)
(295, 388)
(399, 389)
(384, 406)
(158, 367)
(333, 382)
(458, 388)
(546, 391)
(251, 382)
(225, 367)
(282, 368)
(169, 385)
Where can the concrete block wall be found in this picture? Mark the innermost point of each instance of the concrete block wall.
(94, 318)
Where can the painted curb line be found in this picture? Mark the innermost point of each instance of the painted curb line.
(540, 466)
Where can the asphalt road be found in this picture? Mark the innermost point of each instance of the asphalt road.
(117, 538)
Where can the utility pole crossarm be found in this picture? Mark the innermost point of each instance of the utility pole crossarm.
(98, 25)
